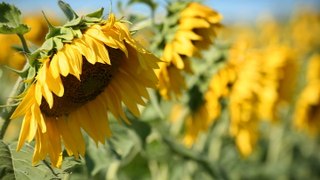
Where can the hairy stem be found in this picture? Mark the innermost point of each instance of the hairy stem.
(24, 43)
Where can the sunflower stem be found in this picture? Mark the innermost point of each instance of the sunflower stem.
(18, 88)
(214, 171)
(24, 43)
(8, 111)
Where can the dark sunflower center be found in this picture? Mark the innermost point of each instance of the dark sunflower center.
(94, 79)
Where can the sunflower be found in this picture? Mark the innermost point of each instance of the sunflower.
(243, 102)
(196, 118)
(220, 87)
(305, 25)
(204, 109)
(197, 121)
(307, 113)
(79, 82)
(196, 31)
(278, 69)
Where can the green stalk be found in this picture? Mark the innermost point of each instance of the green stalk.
(8, 111)
(18, 88)
(212, 169)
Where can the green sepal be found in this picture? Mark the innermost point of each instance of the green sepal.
(67, 10)
(90, 20)
(74, 22)
(47, 45)
(53, 31)
(32, 57)
(77, 33)
(96, 14)
(31, 74)
(66, 34)
(58, 44)
(10, 20)
(21, 73)
(59, 35)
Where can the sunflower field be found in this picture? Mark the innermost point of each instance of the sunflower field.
(171, 91)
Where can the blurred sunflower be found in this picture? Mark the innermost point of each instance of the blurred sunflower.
(196, 121)
(195, 116)
(203, 110)
(220, 87)
(278, 80)
(90, 72)
(307, 113)
(304, 29)
(196, 31)
(243, 103)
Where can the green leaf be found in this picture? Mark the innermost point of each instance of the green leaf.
(141, 128)
(18, 165)
(10, 20)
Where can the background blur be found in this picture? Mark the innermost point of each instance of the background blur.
(266, 44)
(232, 10)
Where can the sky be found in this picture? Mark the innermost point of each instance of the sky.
(232, 10)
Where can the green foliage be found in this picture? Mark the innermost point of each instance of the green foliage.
(10, 20)
(18, 165)
(151, 146)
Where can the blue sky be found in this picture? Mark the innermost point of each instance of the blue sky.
(232, 10)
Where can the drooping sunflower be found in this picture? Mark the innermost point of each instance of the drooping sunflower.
(307, 113)
(86, 68)
(279, 73)
(204, 110)
(219, 87)
(196, 31)
(196, 122)
(195, 116)
(243, 102)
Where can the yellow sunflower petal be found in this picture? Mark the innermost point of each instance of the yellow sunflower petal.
(25, 104)
(24, 132)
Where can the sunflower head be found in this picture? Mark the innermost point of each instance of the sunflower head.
(307, 113)
(85, 69)
(196, 30)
